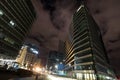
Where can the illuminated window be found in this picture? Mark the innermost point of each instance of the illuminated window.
(9, 40)
(1, 12)
(12, 23)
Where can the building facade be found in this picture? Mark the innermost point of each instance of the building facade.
(86, 58)
(16, 18)
(28, 57)
(55, 61)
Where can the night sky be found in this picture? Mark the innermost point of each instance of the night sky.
(53, 18)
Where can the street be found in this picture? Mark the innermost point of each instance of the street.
(44, 77)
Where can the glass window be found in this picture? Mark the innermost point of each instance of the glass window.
(83, 60)
(100, 68)
(80, 30)
(1, 12)
(86, 52)
(82, 46)
(1, 35)
(79, 37)
(82, 41)
(9, 40)
(84, 67)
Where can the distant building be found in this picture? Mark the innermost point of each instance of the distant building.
(28, 57)
(16, 18)
(61, 47)
(86, 58)
(22, 55)
(55, 61)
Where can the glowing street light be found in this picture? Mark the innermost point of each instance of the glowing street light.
(37, 69)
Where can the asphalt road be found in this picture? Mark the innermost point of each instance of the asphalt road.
(9, 74)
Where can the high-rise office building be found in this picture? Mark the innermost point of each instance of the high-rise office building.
(54, 58)
(16, 18)
(86, 58)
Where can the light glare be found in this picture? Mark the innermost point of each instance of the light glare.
(12, 23)
(34, 51)
(1, 13)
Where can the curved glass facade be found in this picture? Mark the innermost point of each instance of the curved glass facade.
(86, 58)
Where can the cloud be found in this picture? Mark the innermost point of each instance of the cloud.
(52, 21)
(54, 18)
